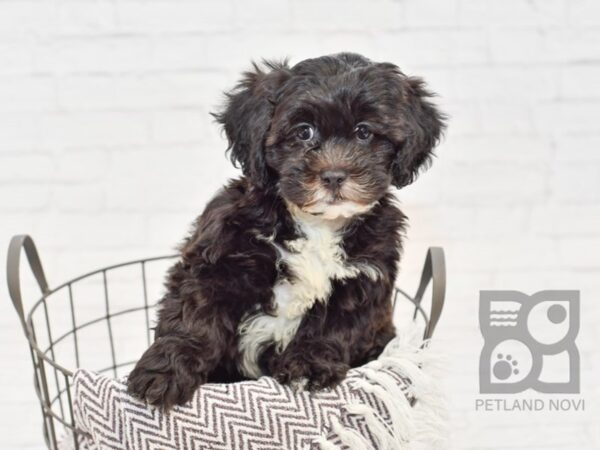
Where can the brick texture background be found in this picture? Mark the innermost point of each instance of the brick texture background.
(107, 153)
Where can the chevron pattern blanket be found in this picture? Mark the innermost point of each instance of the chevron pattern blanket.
(390, 403)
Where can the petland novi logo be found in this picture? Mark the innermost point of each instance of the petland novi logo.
(529, 343)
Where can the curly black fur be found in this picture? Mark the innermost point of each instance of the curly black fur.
(231, 261)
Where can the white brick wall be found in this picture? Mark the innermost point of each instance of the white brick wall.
(107, 152)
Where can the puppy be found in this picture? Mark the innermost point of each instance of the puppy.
(289, 271)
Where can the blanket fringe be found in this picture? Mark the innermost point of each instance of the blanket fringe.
(422, 423)
(348, 436)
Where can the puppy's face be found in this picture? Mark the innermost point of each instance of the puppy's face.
(328, 146)
(331, 134)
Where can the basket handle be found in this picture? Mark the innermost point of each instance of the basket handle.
(434, 270)
(13, 278)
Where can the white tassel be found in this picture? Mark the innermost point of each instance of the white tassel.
(392, 395)
(422, 365)
(348, 436)
(385, 440)
(325, 444)
(400, 420)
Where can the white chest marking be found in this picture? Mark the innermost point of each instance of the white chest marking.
(314, 262)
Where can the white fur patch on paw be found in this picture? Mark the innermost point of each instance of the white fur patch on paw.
(299, 384)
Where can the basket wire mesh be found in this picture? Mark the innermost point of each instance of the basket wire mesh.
(53, 379)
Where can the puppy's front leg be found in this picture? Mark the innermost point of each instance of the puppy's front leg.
(198, 319)
(179, 360)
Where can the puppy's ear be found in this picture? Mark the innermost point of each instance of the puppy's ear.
(419, 128)
(246, 118)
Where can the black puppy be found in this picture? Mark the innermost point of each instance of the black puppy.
(289, 271)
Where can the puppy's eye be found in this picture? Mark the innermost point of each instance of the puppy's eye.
(363, 132)
(305, 132)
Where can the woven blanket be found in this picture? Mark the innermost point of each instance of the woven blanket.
(390, 403)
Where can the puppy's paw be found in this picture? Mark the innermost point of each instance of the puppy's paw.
(163, 390)
(299, 385)
(156, 389)
(162, 378)
(327, 377)
(309, 373)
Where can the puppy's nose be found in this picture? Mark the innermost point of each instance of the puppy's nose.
(333, 178)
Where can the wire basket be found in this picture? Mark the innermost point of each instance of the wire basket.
(58, 324)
